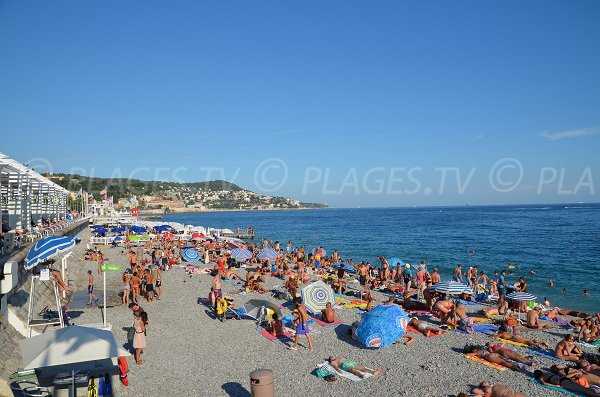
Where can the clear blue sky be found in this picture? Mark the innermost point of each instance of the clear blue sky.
(332, 88)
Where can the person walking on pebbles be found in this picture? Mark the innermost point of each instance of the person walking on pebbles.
(91, 288)
(301, 321)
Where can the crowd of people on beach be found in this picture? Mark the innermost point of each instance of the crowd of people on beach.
(363, 284)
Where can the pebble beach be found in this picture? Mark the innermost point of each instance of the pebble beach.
(189, 352)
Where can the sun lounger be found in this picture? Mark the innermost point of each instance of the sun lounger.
(486, 363)
(344, 374)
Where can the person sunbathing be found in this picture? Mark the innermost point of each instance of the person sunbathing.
(276, 326)
(495, 311)
(487, 389)
(588, 331)
(328, 314)
(508, 353)
(520, 339)
(550, 379)
(533, 320)
(493, 358)
(341, 364)
(255, 286)
(567, 350)
(465, 323)
(588, 367)
(582, 377)
(424, 328)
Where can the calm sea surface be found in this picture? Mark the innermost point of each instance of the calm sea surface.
(559, 242)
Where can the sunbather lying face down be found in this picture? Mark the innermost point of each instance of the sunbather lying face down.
(520, 339)
(351, 366)
(487, 389)
(493, 358)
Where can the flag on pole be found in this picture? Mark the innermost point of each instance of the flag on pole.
(80, 193)
(91, 198)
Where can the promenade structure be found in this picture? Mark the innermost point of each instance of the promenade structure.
(27, 199)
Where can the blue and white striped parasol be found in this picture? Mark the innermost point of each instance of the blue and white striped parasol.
(46, 248)
(190, 255)
(451, 287)
(268, 254)
(241, 254)
(521, 297)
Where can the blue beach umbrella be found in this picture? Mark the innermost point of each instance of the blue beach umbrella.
(268, 254)
(46, 248)
(382, 326)
(348, 267)
(101, 231)
(190, 255)
(138, 229)
(395, 262)
(316, 295)
(117, 230)
(241, 254)
(96, 226)
(451, 287)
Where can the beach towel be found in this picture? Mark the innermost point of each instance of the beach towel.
(473, 357)
(542, 353)
(482, 329)
(510, 342)
(272, 338)
(342, 373)
(324, 324)
(558, 389)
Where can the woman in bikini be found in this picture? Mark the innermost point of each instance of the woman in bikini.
(550, 379)
(508, 353)
(424, 328)
(445, 308)
(588, 331)
(520, 339)
(486, 389)
(582, 377)
(126, 288)
(493, 358)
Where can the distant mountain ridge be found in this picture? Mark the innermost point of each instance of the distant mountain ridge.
(217, 194)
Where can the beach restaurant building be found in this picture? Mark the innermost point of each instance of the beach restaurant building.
(27, 198)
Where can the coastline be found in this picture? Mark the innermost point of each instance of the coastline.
(197, 210)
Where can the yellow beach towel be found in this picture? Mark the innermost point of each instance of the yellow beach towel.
(486, 363)
(510, 342)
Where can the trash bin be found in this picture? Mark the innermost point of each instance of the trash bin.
(261, 383)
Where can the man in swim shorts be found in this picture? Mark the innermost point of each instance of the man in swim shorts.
(351, 366)
(301, 321)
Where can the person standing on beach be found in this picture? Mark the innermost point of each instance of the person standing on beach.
(157, 274)
(457, 275)
(91, 287)
(301, 321)
(502, 285)
(435, 276)
(100, 262)
(216, 287)
(139, 338)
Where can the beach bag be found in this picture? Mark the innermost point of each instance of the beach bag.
(322, 372)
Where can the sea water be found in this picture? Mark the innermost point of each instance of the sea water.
(558, 242)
